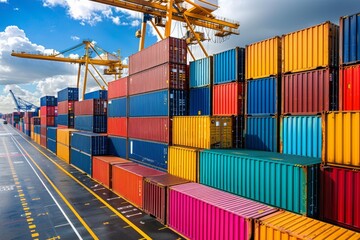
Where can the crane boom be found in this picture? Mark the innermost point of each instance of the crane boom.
(22, 104)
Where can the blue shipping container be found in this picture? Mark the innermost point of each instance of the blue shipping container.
(96, 124)
(28, 132)
(262, 96)
(37, 129)
(99, 94)
(261, 133)
(117, 146)
(200, 101)
(229, 66)
(350, 35)
(81, 160)
(153, 154)
(55, 121)
(201, 72)
(66, 120)
(117, 107)
(48, 101)
(90, 143)
(68, 94)
(51, 145)
(301, 135)
(51, 133)
(159, 103)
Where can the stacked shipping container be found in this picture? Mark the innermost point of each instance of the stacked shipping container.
(48, 112)
(66, 104)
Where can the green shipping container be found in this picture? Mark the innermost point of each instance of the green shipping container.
(285, 181)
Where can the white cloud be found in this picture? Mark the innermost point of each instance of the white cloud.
(75, 38)
(116, 20)
(3, 1)
(135, 23)
(7, 103)
(16, 9)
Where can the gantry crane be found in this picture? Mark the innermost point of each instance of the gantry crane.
(22, 104)
(102, 58)
(194, 13)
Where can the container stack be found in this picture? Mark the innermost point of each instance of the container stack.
(98, 94)
(51, 133)
(47, 116)
(34, 121)
(157, 91)
(66, 105)
(340, 178)
(27, 122)
(37, 133)
(91, 115)
(263, 67)
(15, 118)
(309, 87)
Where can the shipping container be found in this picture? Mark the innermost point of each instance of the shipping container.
(201, 71)
(341, 139)
(301, 135)
(99, 95)
(350, 39)
(263, 59)
(118, 88)
(310, 92)
(284, 181)
(43, 141)
(238, 126)
(64, 135)
(184, 162)
(96, 124)
(311, 48)
(47, 101)
(156, 194)
(66, 107)
(340, 197)
(200, 101)
(117, 126)
(51, 145)
(127, 181)
(68, 94)
(165, 76)
(202, 132)
(47, 121)
(51, 133)
(63, 152)
(262, 96)
(81, 160)
(349, 88)
(102, 168)
(117, 146)
(117, 107)
(153, 154)
(67, 120)
(229, 66)
(262, 133)
(160, 103)
(91, 107)
(43, 130)
(90, 143)
(156, 129)
(35, 121)
(171, 50)
(199, 212)
(37, 129)
(284, 225)
(228, 99)
(47, 111)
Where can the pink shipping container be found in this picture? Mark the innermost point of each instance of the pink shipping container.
(156, 129)
(202, 213)
(165, 76)
(118, 88)
(93, 107)
(350, 88)
(228, 99)
(171, 50)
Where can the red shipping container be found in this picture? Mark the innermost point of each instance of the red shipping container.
(127, 181)
(66, 107)
(47, 111)
(93, 107)
(172, 50)
(228, 99)
(310, 92)
(155, 194)
(43, 130)
(118, 88)
(350, 88)
(165, 76)
(340, 197)
(47, 121)
(117, 126)
(62, 126)
(156, 129)
(102, 168)
(43, 141)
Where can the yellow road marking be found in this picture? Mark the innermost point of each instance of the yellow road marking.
(162, 228)
(32, 226)
(30, 219)
(34, 235)
(28, 214)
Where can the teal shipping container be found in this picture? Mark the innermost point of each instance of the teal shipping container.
(301, 135)
(261, 133)
(201, 72)
(285, 181)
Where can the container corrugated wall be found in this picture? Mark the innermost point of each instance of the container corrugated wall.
(229, 66)
(184, 162)
(118, 88)
(349, 88)
(117, 146)
(350, 39)
(263, 59)
(284, 181)
(117, 107)
(63, 152)
(311, 48)
(201, 72)
(228, 99)
(202, 132)
(261, 133)
(301, 135)
(262, 96)
(200, 101)
(150, 128)
(341, 139)
(96, 124)
(81, 160)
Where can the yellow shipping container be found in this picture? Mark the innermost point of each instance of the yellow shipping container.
(310, 48)
(263, 59)
(341, 139)
(37, 138)
(202, 132)
(184, 162)
(63, 152)
(63, 135)
(285, 225)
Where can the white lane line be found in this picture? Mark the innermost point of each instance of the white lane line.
(56, 202)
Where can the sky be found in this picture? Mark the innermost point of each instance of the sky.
(47, 26)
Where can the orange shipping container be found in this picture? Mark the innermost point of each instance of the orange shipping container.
(127, 181)
(228, 99)
(117, 126)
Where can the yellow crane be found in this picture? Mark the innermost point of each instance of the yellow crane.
(194, 13)
(102, 58)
